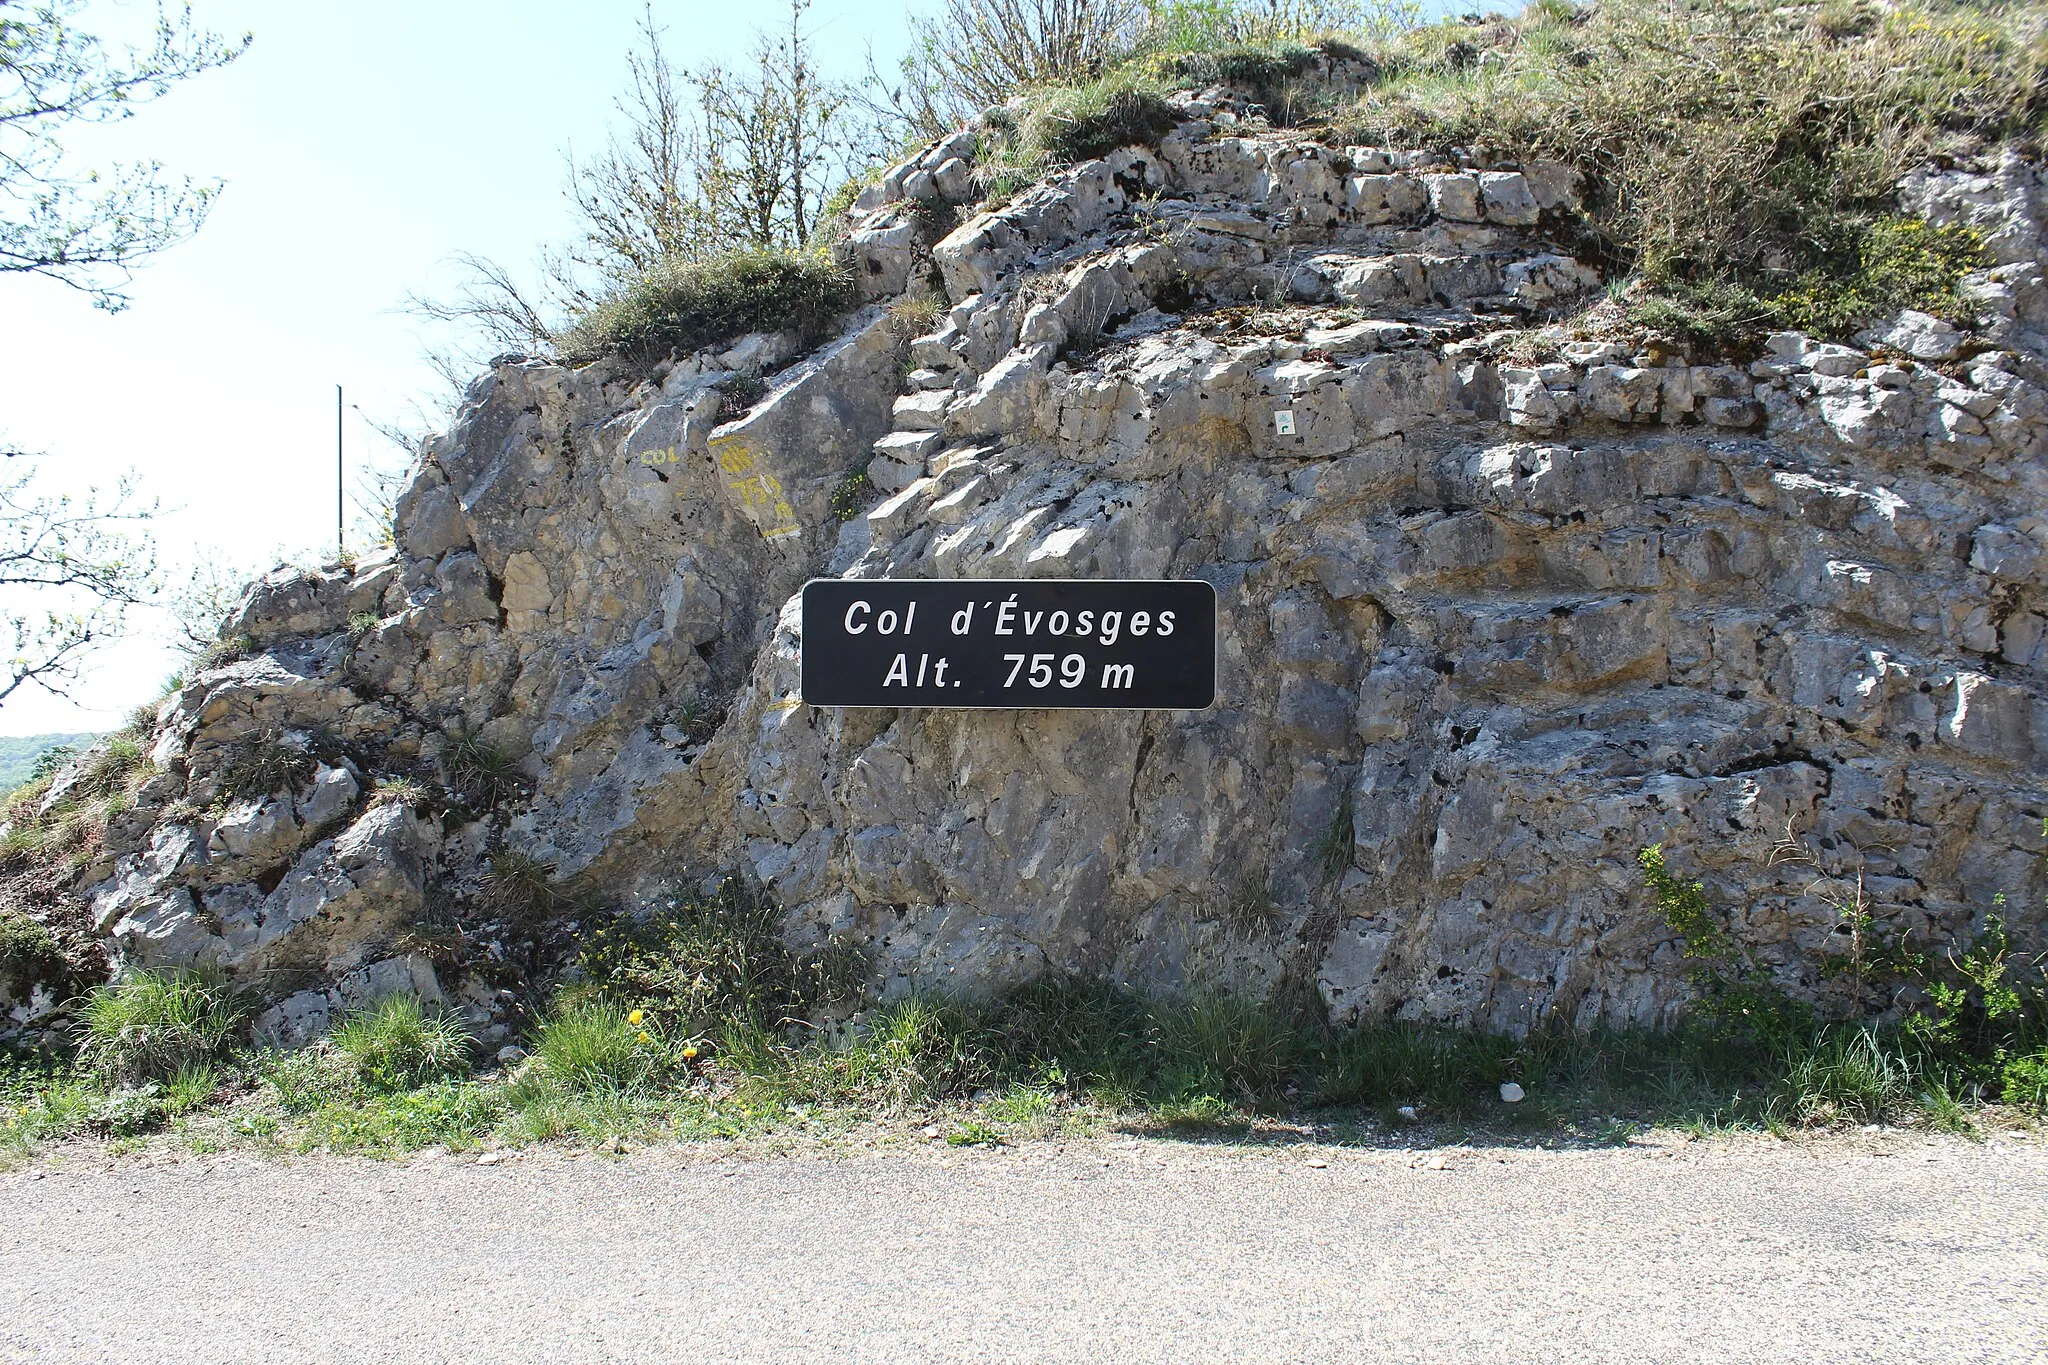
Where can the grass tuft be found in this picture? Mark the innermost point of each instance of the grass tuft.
(267, 767)
(477, 771)
(152, 1025)
(396, 1045)
(1078, 123)
(692, 305)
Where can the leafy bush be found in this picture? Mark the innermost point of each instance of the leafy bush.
(29, 955)
(1737, 994)
(151, 1025)
(687, 306)
(396, 1045)
(51, 761)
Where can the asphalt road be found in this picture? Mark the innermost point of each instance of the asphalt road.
(1880, 1249)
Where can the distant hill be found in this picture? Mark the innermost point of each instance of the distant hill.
(18, 754)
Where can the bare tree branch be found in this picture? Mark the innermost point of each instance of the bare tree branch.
(86, 228)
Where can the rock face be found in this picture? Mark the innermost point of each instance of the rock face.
(1499, 608)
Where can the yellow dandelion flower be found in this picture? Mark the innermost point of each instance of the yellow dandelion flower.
(636, 1016)
(689, 1052)
(644, 1038)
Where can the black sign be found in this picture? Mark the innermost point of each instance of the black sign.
(1000, 642)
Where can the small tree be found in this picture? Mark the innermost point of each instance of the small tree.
(86, 227)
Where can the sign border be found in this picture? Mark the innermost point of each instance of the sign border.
(1215, 645)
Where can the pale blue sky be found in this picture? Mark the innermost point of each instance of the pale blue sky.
(363, 144)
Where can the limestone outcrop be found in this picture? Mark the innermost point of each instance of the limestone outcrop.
(1500, 605)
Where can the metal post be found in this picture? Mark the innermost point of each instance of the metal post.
(340, 515)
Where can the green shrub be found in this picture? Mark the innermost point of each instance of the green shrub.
(151, 1025)
(52, 761)
(396, 1045)
(2024, 1080)
(29, 955)
(688, 306)
(595, 1044)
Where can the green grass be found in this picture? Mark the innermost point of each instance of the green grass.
(150, 1026)
(1061, 1057)
(598, 1045)
(688, 306)
(396, 1045)
(1741, 158)
(697, 961)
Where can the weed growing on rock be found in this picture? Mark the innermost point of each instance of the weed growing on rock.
(919, 311)
(222, 652)
(268, 767)
(850, 494)
(741, 391)
(476, 770)
(520, 886)
(1968, 1022)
